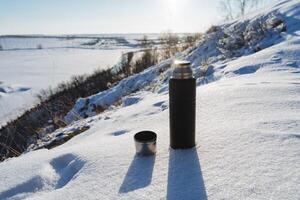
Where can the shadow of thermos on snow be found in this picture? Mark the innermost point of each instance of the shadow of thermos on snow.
(139, 174)
(185, 179)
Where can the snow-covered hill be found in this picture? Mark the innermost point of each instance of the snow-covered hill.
(248, 129)
(39, 62)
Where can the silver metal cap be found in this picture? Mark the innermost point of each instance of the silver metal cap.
(145, 143)
(182, 70)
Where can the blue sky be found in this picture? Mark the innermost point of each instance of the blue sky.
(106, 16)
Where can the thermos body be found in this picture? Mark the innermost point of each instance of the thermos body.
(182, 97)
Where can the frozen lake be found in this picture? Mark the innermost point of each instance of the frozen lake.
(46, 67)
(25, 69)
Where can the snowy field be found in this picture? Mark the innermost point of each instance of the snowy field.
(25, 70)
(247, 145)
(248, 136)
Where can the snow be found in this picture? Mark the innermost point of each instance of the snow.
(65, 41)
(15, 43)
(86, 106)
(31, 70)
(227, 42)
(247, 135)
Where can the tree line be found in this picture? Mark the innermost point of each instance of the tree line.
(54, 103)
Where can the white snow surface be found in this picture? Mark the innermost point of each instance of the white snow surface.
(247, 133)
(24, 66)
(227, 42)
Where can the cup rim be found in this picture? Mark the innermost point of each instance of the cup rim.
(145, 137)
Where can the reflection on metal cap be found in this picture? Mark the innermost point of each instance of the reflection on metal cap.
(182, 70)
(181, 62)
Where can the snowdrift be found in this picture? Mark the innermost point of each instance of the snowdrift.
(247, 130)
(218, 46)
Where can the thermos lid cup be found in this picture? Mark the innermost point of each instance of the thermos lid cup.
(145, 143)
(182, 70)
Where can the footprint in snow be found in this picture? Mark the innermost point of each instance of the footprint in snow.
(66, 166)
(163, 90)
(22, 89)
(8, 89)
(162, 104)
(275, 58)
(118, 133)
(292, 64)
(57, 175)
(246, 70)
(128, 101)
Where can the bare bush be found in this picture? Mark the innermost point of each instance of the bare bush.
(169, 42)
(148, 58)
(226, 6)
(236, 8)
(126, 68)
(54, 104)
(145, 42)
(190, 41)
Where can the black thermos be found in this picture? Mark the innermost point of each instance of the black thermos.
(182, 97)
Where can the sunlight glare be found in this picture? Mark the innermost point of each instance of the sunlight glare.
(174, 10)
(173, 6)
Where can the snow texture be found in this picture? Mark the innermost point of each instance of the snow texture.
(26, 68)
(220, 44)
(247, 135)
(86, 106)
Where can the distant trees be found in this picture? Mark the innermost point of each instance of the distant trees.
(145, 42)
(169, 42)
(39, 46)
(1, 48)
(227, 9)
(148, 58)
(167, 46)
(190, 40)
(126, 59)
(54, 105)
(236, 8)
